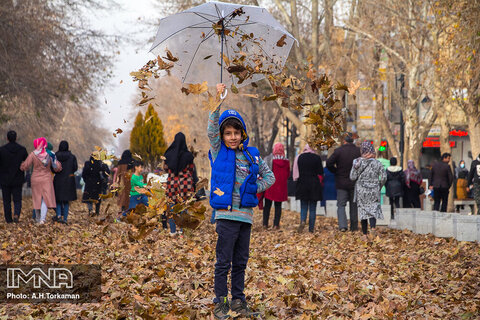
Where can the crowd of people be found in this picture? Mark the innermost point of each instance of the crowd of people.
(240, 181)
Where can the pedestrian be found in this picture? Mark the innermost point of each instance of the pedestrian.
(43, 193)
(11, 177)
(461, 183)
(121, 179)
(329, 190)
(234, 186)
(369, 176)
(94, 174)
(277, 193)
(440, 182)
(340, 164)
(394, 185)
(182, 175)
(64, 182)
(137, 187)
(412, 191)
(474, 181)
(308, 172)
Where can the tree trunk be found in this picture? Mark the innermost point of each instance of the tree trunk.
(328, 9)
(474, 134)
(315, 25)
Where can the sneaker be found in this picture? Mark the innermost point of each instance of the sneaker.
(15, 219)
(343, 230)
(301, 226)
(55, 219)
(239, 306)
(221, 309)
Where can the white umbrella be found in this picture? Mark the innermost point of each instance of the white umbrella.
(199, 37)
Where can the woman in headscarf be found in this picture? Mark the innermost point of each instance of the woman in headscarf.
(308, 172)
(94, 174)
(43, 193)
(413, 180)
(181, 173)
(64, 181)
(121, 179)
(370, 176)
(278, 191)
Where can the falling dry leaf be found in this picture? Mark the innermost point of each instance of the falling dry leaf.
(219, 192)
(281, 42)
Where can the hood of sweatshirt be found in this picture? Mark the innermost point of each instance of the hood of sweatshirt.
(394, 168)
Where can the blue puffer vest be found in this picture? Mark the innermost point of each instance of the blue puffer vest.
(223, 172)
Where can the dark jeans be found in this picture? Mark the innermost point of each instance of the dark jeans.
(266, 212)
(343, 196)
(62, 209)
(134, 200)
(233, 246)
(394, 201)
(7, 193)
(373, 224)
(440, 195)
(306, 206)
(97, 206)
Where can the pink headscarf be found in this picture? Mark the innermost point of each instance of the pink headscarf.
(278, 149)
(296, 174)
(40, 144)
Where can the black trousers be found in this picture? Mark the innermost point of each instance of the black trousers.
(394, 201)
(364, 223)
(266, 212)
(233, 248)
(440, 195)
(7, 193)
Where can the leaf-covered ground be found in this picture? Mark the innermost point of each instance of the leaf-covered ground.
(327, 275)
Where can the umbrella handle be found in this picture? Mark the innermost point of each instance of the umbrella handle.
(224, 94)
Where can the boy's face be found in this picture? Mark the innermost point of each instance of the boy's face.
(232, 137)
(138, 169)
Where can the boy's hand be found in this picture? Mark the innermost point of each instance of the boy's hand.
(221, 88)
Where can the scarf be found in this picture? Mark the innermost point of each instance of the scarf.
(40, 152)
(412, 174)
(177, 156)
(296, 173)
(367, 151)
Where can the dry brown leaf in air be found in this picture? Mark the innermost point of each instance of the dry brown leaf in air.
(219, 192)
(198, 88)
(353, 87)
(281, 42)
(170, 56)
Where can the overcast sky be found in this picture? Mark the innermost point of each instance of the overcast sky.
(117, 99)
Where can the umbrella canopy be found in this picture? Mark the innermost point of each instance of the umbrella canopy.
(244, 34)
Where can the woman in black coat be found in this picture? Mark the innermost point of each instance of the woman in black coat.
(394, 185)
(95, 173)
(64, 182)
(308, 172)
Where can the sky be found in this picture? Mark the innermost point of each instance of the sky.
(117, 99)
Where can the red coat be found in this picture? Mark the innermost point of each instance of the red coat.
(281, 171)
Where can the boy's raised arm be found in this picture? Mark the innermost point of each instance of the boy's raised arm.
(267, 177)
(213, 130)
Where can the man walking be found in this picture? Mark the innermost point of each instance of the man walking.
(340, 164)
(440, 182)
(474, 181)
(11, 177)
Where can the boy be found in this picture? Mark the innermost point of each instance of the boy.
(136, 192)
(234, 187)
